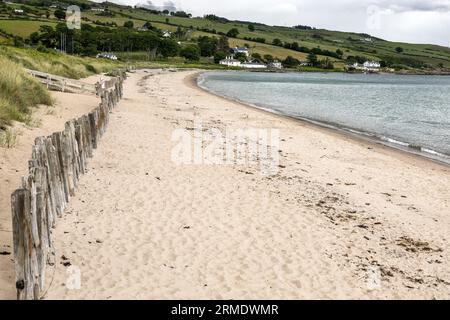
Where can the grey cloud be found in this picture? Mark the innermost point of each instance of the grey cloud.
(168, 5)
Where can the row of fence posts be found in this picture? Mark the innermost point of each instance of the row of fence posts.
(56, 165)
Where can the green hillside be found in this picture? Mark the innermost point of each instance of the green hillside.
(340, 48)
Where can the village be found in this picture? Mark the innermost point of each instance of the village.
(240, 58)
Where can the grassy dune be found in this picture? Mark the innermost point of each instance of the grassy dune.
(58, 64)
(19, 93)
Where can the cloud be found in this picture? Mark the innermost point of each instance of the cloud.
(168, 5)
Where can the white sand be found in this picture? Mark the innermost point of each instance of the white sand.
(339, 213)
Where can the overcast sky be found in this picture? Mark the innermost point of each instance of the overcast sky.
(426, 21)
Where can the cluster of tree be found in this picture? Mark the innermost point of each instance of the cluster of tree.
(181, 14)
(84, 5)
(258, 39)
(213, 17)
(152, 11)
(233, 33)
(267, 58)
(300, 27)
(218, 48)
(338, 54)
(106, 13)
(356, 59)
(214, 31)
(396, 61)
(90, 40)
(313, 61)
(105, 24)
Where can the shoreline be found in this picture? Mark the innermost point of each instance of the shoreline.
(332, 128)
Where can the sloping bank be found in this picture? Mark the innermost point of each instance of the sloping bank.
(58, 162)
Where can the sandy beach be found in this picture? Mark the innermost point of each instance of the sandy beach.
(342, 218)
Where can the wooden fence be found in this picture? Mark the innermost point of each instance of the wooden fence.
(62, 84)
(56, 165)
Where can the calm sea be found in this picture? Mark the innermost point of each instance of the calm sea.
(410, 112)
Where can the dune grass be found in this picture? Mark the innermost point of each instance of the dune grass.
(18, 93)
(56, 63)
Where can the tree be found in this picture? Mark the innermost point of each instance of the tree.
(399, 49)
(312, 59)
(168, 48)
(268, 58)
(129, 24)
(223, 44)
(34, 38)
(207, 45)
(251, 27)
(60, 14)
(240, 56)
(340, 53)
(47, 36)
(295, 46)
(257, 56)
(326, 64)
(233, 33)
(180, 33)
(291, 62)
(277, 42)
(220, 55)
(191, 52)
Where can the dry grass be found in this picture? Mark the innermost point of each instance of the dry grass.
(18, 93)
(58, 64)
(8, 138)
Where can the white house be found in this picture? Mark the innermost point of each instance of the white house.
(166, 33)
(230, 62)
(98, 9)
(242, 50)
(370, 66)
(253, 65)
(275, 65)
(107, 55)
(18, 11)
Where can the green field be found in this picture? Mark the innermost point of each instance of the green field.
(23, 28)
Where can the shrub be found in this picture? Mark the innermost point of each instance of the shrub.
(191, 53)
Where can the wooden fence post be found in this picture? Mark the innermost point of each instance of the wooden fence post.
(55, 168)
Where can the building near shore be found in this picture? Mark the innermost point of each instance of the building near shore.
(253, 65)
(230, 62)
(241, 50)
(275, 65)
(369, 66)
(107, 55)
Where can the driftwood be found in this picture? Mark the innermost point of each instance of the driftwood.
(57, 164)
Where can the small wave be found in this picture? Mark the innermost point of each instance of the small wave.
(389, 141)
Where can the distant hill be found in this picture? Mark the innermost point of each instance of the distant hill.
(341, 48)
